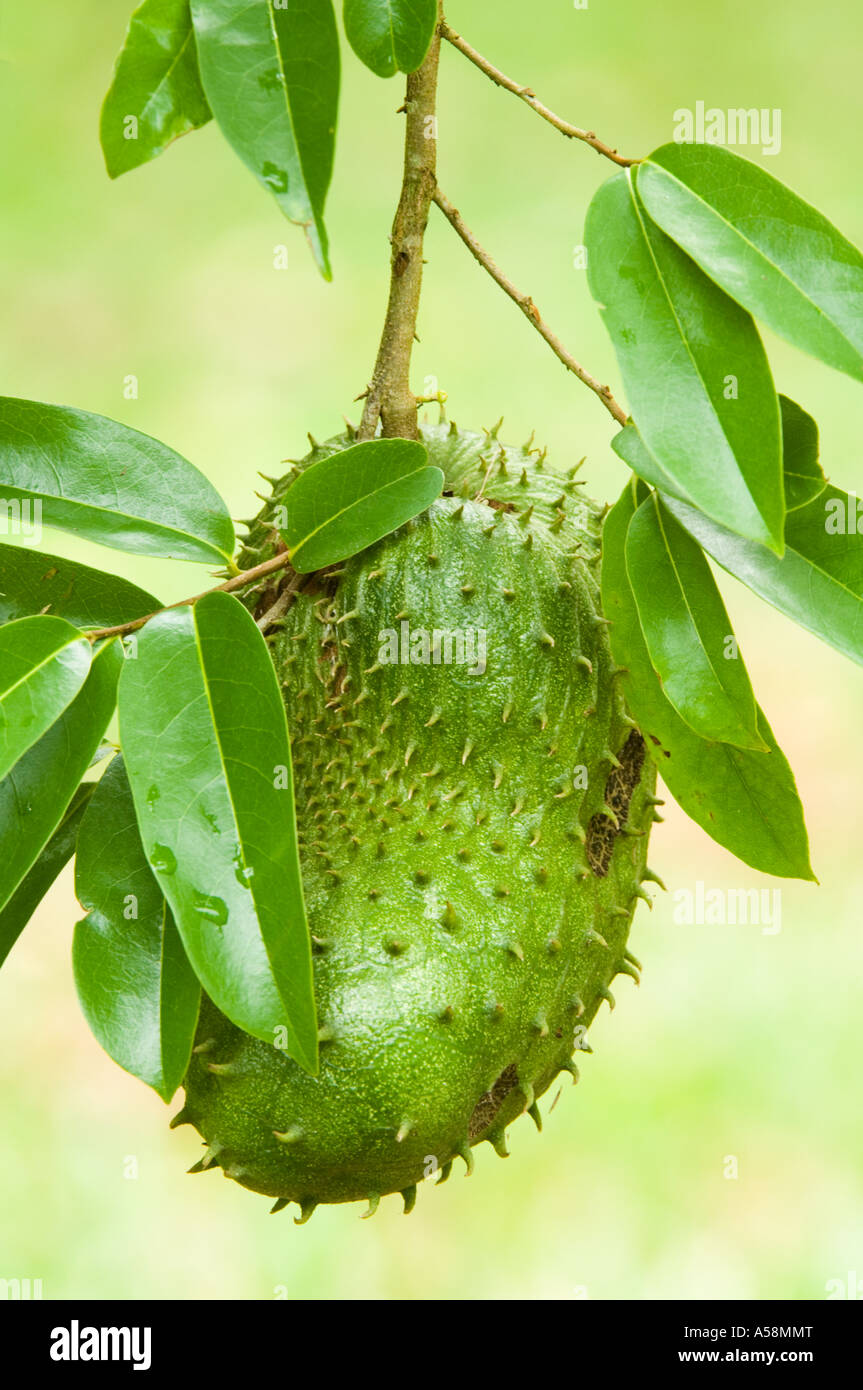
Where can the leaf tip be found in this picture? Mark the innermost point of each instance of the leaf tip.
(309, 1061)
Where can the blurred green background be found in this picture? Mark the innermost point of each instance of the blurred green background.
(738, 1043)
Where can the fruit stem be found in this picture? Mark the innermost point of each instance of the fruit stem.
(389, 399)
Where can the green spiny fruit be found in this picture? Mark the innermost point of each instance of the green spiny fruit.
(473, 806)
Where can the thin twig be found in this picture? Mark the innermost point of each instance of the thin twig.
(239, 581)
(572, 132)
(528, 308)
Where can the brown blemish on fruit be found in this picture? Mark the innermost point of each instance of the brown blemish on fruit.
(488, 1104)
(602, 832)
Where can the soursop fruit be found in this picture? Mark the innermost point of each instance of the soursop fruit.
(473, 805)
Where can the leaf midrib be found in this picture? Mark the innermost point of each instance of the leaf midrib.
(151, 527)
(774, 265)
(358, 502)
(32, 671)
(792, 551)
(694, 625)
(685, 341)
(290, 115)
(241, 844)
(174, 63)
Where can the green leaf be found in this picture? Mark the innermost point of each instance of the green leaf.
(35, 794)
(687, 629)
(745, 800)
(156, 94)
(108, 483)
(804, 476)
(206, 746)
(348, 501)
(35, 884)
(43, 664)
(819, 580)
(772, 252)
(802, 472)
(683, 346)
(32, 582)
(271, 75)
(390, 35)
(629, 446)
(137, 989)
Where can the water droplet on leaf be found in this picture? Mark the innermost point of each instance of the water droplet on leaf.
(214, 909)
(274, 177)
(163, 860)
(244, 873)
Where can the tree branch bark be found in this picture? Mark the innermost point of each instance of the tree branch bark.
(389, 399)
(238, 581)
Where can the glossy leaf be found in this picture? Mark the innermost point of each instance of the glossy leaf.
(156, 94)
(108, 483)
(137, 989)
(390, 35)
(694, 368)
(629, 446)
(35, 884)
(271, 75)
(43, 664)
(206, 746)
(35, 794)
(745, 800)
(32, 582)
(819, 580)
(687, 629)
(772, 252)
(804, 476)
(348, 501)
